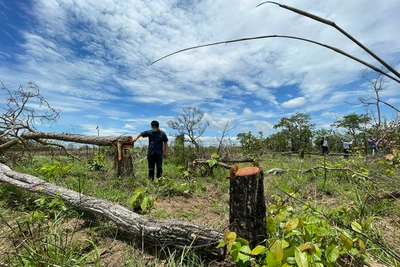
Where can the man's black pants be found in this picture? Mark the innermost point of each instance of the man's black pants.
(154, 160)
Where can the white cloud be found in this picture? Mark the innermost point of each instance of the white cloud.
(393, 100)
(247, 112)
(263, 126)
(129, 126)
(92, 58)
(294, 103)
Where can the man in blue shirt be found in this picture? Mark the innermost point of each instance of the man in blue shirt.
(158, 148)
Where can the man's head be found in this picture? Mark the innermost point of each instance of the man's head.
(154, 125)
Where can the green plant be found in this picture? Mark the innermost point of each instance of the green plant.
(214, 161)
(140, 201)
(55, 170)
(50, 205)
(184, 172)
(303, 237)
(97, 163)
(168, 187)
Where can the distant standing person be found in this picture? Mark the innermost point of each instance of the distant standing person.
(324, 145)
(158, 148)
(372, 145)
(346, 148)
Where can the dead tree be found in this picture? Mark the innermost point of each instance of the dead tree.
(158, 233)
(17, 124)
(19, 116)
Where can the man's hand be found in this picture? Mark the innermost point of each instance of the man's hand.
(134, 139)
(165, 155)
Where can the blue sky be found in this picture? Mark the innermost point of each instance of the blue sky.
(91, 59)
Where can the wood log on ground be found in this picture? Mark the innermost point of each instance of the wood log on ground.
(276, 171)
(78, 138)
(205, 163)
(158, 233)
(238, 160)
(247, 209)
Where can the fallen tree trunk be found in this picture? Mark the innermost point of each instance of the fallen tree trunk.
(7, 145)
(78, 138)
(159, 233)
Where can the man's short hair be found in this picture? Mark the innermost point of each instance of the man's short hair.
(155, 124)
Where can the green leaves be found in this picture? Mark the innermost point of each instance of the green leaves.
(214, 161)
(140, 201)
(292, 224)
(356, 227)
(345, 238)
(277, 250)
(332, 253)
(55, 170)
(301, 258)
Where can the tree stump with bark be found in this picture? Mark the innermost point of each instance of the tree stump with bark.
(247, 209)
(124, 159)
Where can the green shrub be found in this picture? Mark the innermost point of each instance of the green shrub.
(97, 163)
(140, 201)
(55, 170)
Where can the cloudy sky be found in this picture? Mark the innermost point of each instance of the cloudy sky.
(92, 60)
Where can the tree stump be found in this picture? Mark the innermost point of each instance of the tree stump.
(247, 209)
(124, 166)
(124, 160)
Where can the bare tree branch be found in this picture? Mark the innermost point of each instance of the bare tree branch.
(333, 24)
(288, 37)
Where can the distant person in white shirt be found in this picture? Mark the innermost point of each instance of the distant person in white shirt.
(346, 148)
(324, 145)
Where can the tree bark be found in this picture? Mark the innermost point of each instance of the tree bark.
(124, 166)
(160, 233)
(78, 138)
(247, 209)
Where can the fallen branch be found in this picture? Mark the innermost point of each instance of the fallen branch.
(337, 169)
(159, 233)
(205, 162)
(276, 171)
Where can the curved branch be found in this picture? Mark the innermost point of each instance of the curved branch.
(333, 24)
(337, 50)
(43, 142)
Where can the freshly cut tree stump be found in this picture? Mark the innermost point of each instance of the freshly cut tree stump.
(247, 209)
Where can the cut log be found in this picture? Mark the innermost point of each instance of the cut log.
(78, 138)
(247, 209)
(159, 233)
